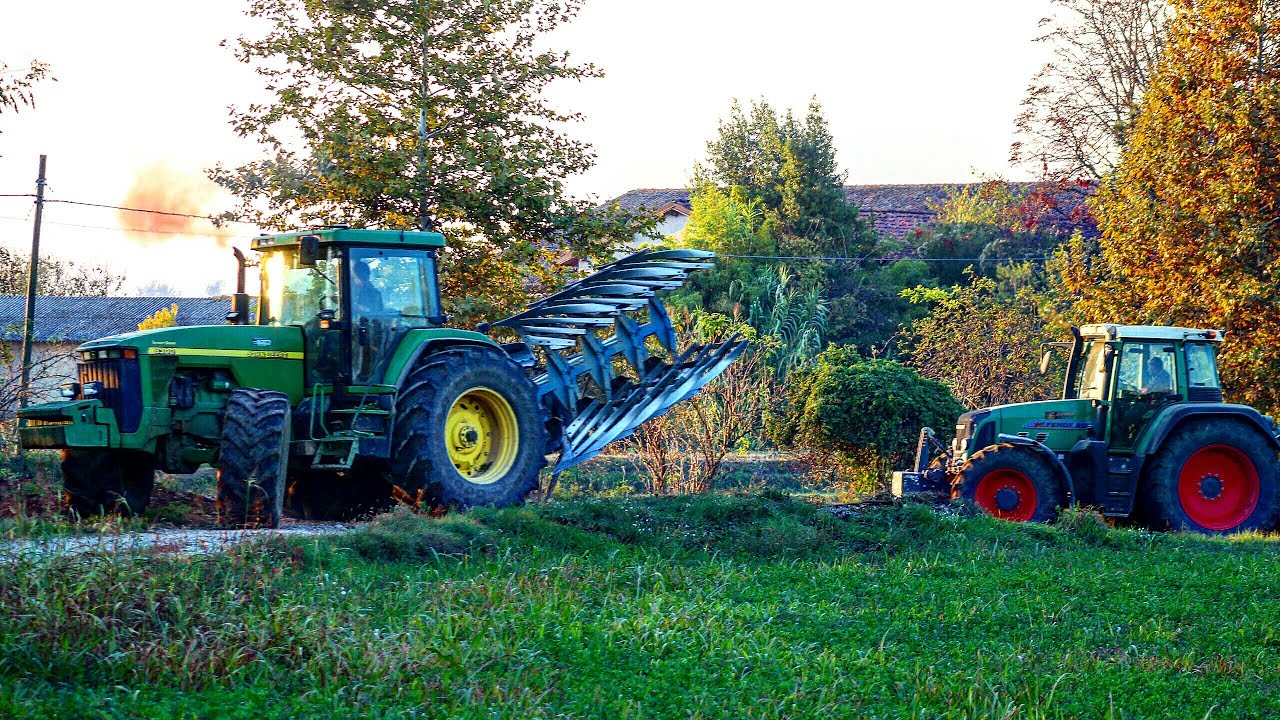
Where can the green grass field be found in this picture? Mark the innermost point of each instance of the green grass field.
(754, 606)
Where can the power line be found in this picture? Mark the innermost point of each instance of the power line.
(143, 210)
(117, 229)
(125, 209)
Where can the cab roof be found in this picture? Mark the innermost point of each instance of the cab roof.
(348, 236)
(1148, 332)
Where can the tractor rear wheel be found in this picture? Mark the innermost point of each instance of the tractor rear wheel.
(254, 458)
(100, 482)
(1213, 476)
(469, 431)
(1011, 483)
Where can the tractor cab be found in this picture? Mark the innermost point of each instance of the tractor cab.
(1129, 373)
(354, 295)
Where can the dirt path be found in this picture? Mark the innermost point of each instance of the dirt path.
(188, 541)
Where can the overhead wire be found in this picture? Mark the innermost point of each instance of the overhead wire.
(144, 210)
(116, 229)
(125, 209)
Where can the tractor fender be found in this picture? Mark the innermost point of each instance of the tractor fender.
(1173, 416)
(1055, 462)
(419, 344)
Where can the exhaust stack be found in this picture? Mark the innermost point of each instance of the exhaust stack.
(239, 314)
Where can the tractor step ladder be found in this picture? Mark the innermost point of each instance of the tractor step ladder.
(337, 452)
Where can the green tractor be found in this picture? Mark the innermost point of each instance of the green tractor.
(1141, 430)
(344, 388)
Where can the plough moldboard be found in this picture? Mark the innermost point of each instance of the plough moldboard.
(598, 399)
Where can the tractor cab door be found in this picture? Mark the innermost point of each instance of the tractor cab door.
(1146, 380)
(391, 291)
(301, 289)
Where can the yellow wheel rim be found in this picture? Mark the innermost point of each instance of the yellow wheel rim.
(482, 435)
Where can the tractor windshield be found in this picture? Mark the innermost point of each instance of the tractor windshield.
(293, 294)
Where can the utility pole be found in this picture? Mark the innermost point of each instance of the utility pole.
(29, 328)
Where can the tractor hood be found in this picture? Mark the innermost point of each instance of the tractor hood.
(1059, 424)
(255, 356)
(227, 341)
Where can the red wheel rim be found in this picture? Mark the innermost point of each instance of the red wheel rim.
(1218, 487)
(1010, 487)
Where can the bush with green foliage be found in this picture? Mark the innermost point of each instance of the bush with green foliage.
(865, 411)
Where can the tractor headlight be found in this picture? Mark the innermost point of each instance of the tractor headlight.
(70, 390)
(92, 389)
(965, 426)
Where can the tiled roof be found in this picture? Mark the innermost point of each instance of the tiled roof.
(902, 199)
(652, 198)
(896, 210)
(78, 319)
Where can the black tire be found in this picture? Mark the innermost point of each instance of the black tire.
(421, 464)
(1223, 449)
(1011, 483)
(254, 457)
(101, 482)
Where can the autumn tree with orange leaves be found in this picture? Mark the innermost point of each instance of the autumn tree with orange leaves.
(1191, 217)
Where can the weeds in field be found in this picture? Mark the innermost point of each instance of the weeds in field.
(712, 606)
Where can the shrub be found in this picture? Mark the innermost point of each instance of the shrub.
(865, 411)
(163, 318)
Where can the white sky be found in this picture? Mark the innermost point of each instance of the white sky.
(915, 91)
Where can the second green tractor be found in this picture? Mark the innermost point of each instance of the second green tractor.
(1141, 430)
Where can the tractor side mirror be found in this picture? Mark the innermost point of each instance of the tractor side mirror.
(308, 250)
(1045, 359)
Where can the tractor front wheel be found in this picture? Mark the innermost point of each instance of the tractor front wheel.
(100, 482)
(1011, 483)
(254, 458)
(1216, 477)
(469, 431)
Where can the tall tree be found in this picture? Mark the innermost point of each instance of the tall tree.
(790, 166)
(359, 84)
(1190, 222)
(1080, 107)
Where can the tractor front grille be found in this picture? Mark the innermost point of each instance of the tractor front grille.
(121, 388)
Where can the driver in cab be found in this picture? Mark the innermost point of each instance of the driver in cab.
(365, 298)
(1158, 380)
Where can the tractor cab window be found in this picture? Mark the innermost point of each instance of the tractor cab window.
(1203, 384)
(1147, 369)
(295, 295)
(1147, 381)
(1093, 377)
(390, 291)
(1202, 367)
